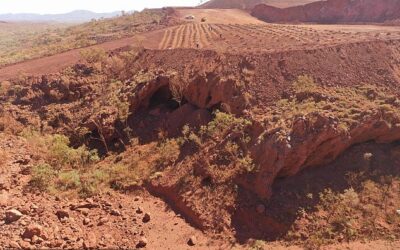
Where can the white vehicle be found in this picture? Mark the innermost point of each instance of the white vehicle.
(190, 17)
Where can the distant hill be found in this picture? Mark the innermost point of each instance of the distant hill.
(74, 16)
(249, 4)
(332, 11)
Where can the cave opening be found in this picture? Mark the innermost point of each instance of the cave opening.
(163, 97)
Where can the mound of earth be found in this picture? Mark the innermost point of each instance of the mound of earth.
(332, 11)
(249, 4)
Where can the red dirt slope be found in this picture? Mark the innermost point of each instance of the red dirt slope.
(249, 4)
(332, 11)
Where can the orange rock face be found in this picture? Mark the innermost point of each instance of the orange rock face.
(332, 11)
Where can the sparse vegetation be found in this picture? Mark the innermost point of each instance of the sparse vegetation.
(20, 42)
(95, 55)
(62, 164)
(304, 83)
(42, 176)
(347, 105)
(223, 124)
(351, 215)
(56, 151)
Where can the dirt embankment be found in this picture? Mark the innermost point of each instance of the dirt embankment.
(332, 11)
(269, 75)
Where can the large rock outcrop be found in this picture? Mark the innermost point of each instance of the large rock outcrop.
(249, 4)
(309, 132)
(332, 11)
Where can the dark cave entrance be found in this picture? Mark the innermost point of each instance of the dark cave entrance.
(146, 124)
(152, 119)
(163, 97)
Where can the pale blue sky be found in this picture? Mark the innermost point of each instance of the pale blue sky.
(62, 6)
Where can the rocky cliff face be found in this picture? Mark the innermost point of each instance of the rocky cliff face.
(332, 11)
(249, 4)
(308, 129)
(305, 127)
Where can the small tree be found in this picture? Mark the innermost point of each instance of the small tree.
(178, 88)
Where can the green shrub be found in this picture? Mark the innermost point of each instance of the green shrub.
(119, 101)
(58, 153)
(168, 152)
(61, 154)
(91, 182)
(122, 176)
(42, 176)
(68, 180)
(190, 136)
(222, 123)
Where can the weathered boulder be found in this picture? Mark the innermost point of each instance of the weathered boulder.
(12, 216)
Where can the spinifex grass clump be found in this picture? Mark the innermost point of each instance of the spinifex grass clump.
(62, 165)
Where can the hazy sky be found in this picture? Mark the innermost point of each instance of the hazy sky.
(62, 6)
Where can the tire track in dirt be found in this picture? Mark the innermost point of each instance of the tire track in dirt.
(243, 35)
(196, 37)
(230, 33)
(192, 39)
(170, 40)
(178, 36)
(189, 36)
(183, 38)
(246, 31)
(205, 29)
(223, 36)
(265, 30)
(165, 39)
(222, 30)
(201, 36)
(216, 31)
